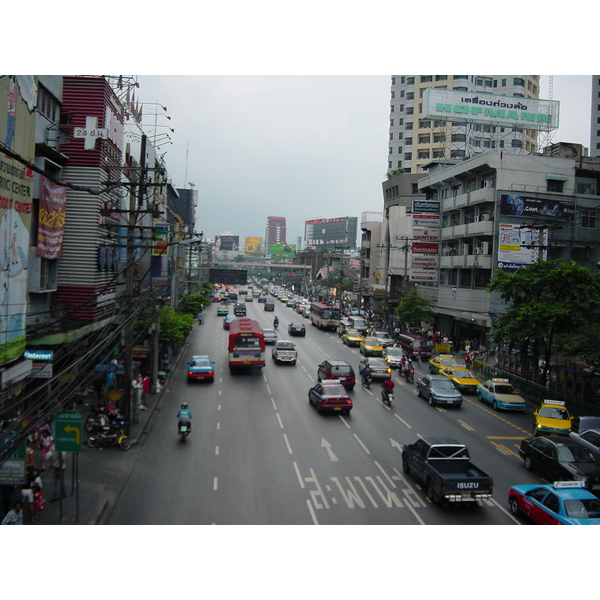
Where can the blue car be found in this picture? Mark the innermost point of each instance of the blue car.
(501, 395)
(201, 367)
(561, 503)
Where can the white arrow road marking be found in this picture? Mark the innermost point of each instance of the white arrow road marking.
(325, 444)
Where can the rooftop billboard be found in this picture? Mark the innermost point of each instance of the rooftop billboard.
(528, 113)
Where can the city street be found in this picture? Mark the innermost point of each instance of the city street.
(260, 454)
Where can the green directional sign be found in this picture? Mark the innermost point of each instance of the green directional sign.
(67, 431)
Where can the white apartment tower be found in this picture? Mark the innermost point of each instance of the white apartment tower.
(415, 139)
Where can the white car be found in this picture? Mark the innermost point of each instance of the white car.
(270, 336)
(385, 339)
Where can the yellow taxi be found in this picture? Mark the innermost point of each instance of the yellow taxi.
(352, 337)
(371, 346)
(439, 362)
(463, 378)
(552, 418)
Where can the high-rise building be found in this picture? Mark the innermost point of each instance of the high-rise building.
(416, 139)
(595, 121)
(275, 233)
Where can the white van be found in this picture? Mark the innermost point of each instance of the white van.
(357, 323)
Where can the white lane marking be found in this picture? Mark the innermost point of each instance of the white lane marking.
(280, 423)
(364, 447)
(385, 474)
(400, 419)
(217, 451)
(344, 421)
(298, 475)
(273, 403)
(312, 512)
(505, 511)
(325, 444)
(219, 425)
(287, 443)
(215, 484)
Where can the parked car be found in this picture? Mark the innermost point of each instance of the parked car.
(560, 503)
(437, 389)
(297, 328)
(337, 369)
(560, 459)
(270, 336)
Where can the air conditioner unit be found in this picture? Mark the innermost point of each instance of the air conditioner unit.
(485, 247)
(466, 249)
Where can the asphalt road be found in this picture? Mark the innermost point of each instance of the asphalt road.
(260, 454)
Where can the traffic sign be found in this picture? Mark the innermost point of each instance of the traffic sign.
(67, 431)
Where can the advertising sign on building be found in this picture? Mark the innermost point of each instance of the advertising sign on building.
(252, 245)
(425, 261)
(426, 206)
(227, 242)
(423, 275)
(430, 234)
(18, 94)
(282, 250)
(527, 206)
(528, 113)
(519, 246)
(425, 248)
(426, 220)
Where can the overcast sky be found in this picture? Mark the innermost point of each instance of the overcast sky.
(301, 147)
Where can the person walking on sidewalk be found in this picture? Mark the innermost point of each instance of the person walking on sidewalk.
(15, 515)
(38, 503)
(59, 466)
(46, 445)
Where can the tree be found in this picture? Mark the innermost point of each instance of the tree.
(544, 300)
(193, 303)
(414, 309)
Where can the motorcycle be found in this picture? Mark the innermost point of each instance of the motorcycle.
(387, 397)
(114, 435)
(275, 324)
(366, 382)
(184, 429)
(410, 375)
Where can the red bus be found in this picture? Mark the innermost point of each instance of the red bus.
(325, 316)
(246, 344)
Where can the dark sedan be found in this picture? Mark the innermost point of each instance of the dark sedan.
(561, 459)
(297, 329)
(437, 389)
(589, 439)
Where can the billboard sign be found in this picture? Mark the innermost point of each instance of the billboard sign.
(426, 220)
(426, 234)
(425, 248)
(526, 206)
(252, 245)
(227, 242)
(228, 276)
(426, 206)
(519, 246)
(496, 109)
(282, 250)
(423, 275)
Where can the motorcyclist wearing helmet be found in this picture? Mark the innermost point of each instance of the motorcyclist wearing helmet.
(388, 386)
(275, 322)
(185, 415)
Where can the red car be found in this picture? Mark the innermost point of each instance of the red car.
(227, 321)
(337, 369)
(330, 395)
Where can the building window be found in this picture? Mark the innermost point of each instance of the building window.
(516, 144)
(589, 219)
(555, 185)
(410, 95)
(424, 124)
(408, 141)
(438, 154)
(47, 105)
(461, 77)
(459, 137)
(519, 81)
(423, 154)
(410, 110)
(424, 139)
(439, 138)
(392, 108)
(441, 77)
(415, 188)
(393, 95)
(426, 78)
(410, 80)
(408, 156)
(409, 126)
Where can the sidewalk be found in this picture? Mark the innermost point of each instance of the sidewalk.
(88, 505)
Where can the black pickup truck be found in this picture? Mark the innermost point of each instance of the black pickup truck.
(444, 467)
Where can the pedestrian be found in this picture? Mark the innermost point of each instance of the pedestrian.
(38, 503)
(59, 466)
(46, 445)
(15, 515)
(419, 353)
(468, 360)
(29, 458)
(147, 385)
